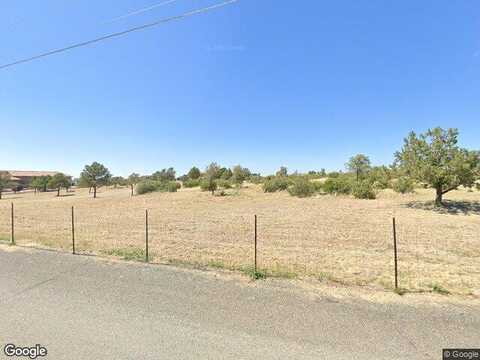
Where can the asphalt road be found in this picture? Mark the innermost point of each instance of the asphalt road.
(85, 308)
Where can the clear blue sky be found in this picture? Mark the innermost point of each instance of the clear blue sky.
(263, 83)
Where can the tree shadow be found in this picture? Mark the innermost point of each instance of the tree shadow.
(66, 195)
(451, 207)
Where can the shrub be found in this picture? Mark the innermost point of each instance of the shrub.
(275, 184)
(380, 177)
(403, 185)
(171, 186)
(318, 185)
(256, 179)
(364, 190)
(208, 185)
(191, 183)
(338, 185)
(146, 186)
(225, 184)
(149, 186)
(302, 187)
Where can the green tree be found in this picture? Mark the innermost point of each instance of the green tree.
(41, 183)
(133, 180)
(359, 164)
(240, 174)
(5, 182)
(117, 181)
(225, 174)
(212, 173)
(194, 173)
(436, 159)
(164, 175)
(95, 175)
(283, 171)
(59, 181)
(36, 184)
(209, 184)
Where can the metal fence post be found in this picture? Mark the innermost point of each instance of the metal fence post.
(73, 230)
(395, 252)
(13, 226)
(146, 236)
(255, 251)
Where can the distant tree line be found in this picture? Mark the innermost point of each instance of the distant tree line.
(432, 159)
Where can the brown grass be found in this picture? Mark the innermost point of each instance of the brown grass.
(335, 239)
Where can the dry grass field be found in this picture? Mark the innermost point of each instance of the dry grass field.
(335, 239)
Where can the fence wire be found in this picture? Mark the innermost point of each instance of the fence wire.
(353, 246)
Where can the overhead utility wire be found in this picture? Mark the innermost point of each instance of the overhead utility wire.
(141, 11)
(121, 33)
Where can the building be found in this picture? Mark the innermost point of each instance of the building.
(24, 178)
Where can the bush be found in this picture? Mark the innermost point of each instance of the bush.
(191, 183)
(403, 185)
(171, 186)
(208, 185)
(318, 185)
(225, 184)
(302, 187)
(146, 187)
(279, 183)
(149, 186)
(256, 179)
(363, 190)
(338, 185)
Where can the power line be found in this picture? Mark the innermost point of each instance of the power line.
(140, 11)
(121, 33)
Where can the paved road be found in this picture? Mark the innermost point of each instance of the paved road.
(86, 308)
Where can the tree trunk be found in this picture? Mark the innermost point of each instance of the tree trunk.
(439, 197)
(1, 195)
(58, 192)
(358, 173)
(94, 192)
(131, 186)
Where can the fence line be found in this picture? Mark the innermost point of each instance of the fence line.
(351, 260)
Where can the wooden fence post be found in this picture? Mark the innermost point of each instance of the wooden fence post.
(255, 250)
(146, 236)
(12, 219)
(73, 230)
(395, 252)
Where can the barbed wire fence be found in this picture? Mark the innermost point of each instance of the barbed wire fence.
(428, 258)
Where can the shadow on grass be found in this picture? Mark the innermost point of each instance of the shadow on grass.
(449, 207)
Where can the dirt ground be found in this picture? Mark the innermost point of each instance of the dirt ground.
(333, 239)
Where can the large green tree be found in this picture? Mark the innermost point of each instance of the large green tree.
(359, 164)
(194, 173)
(435, 158)
(5, 182)
(59, 181)
(95, 175)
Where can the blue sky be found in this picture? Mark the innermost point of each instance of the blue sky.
(264, 83)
